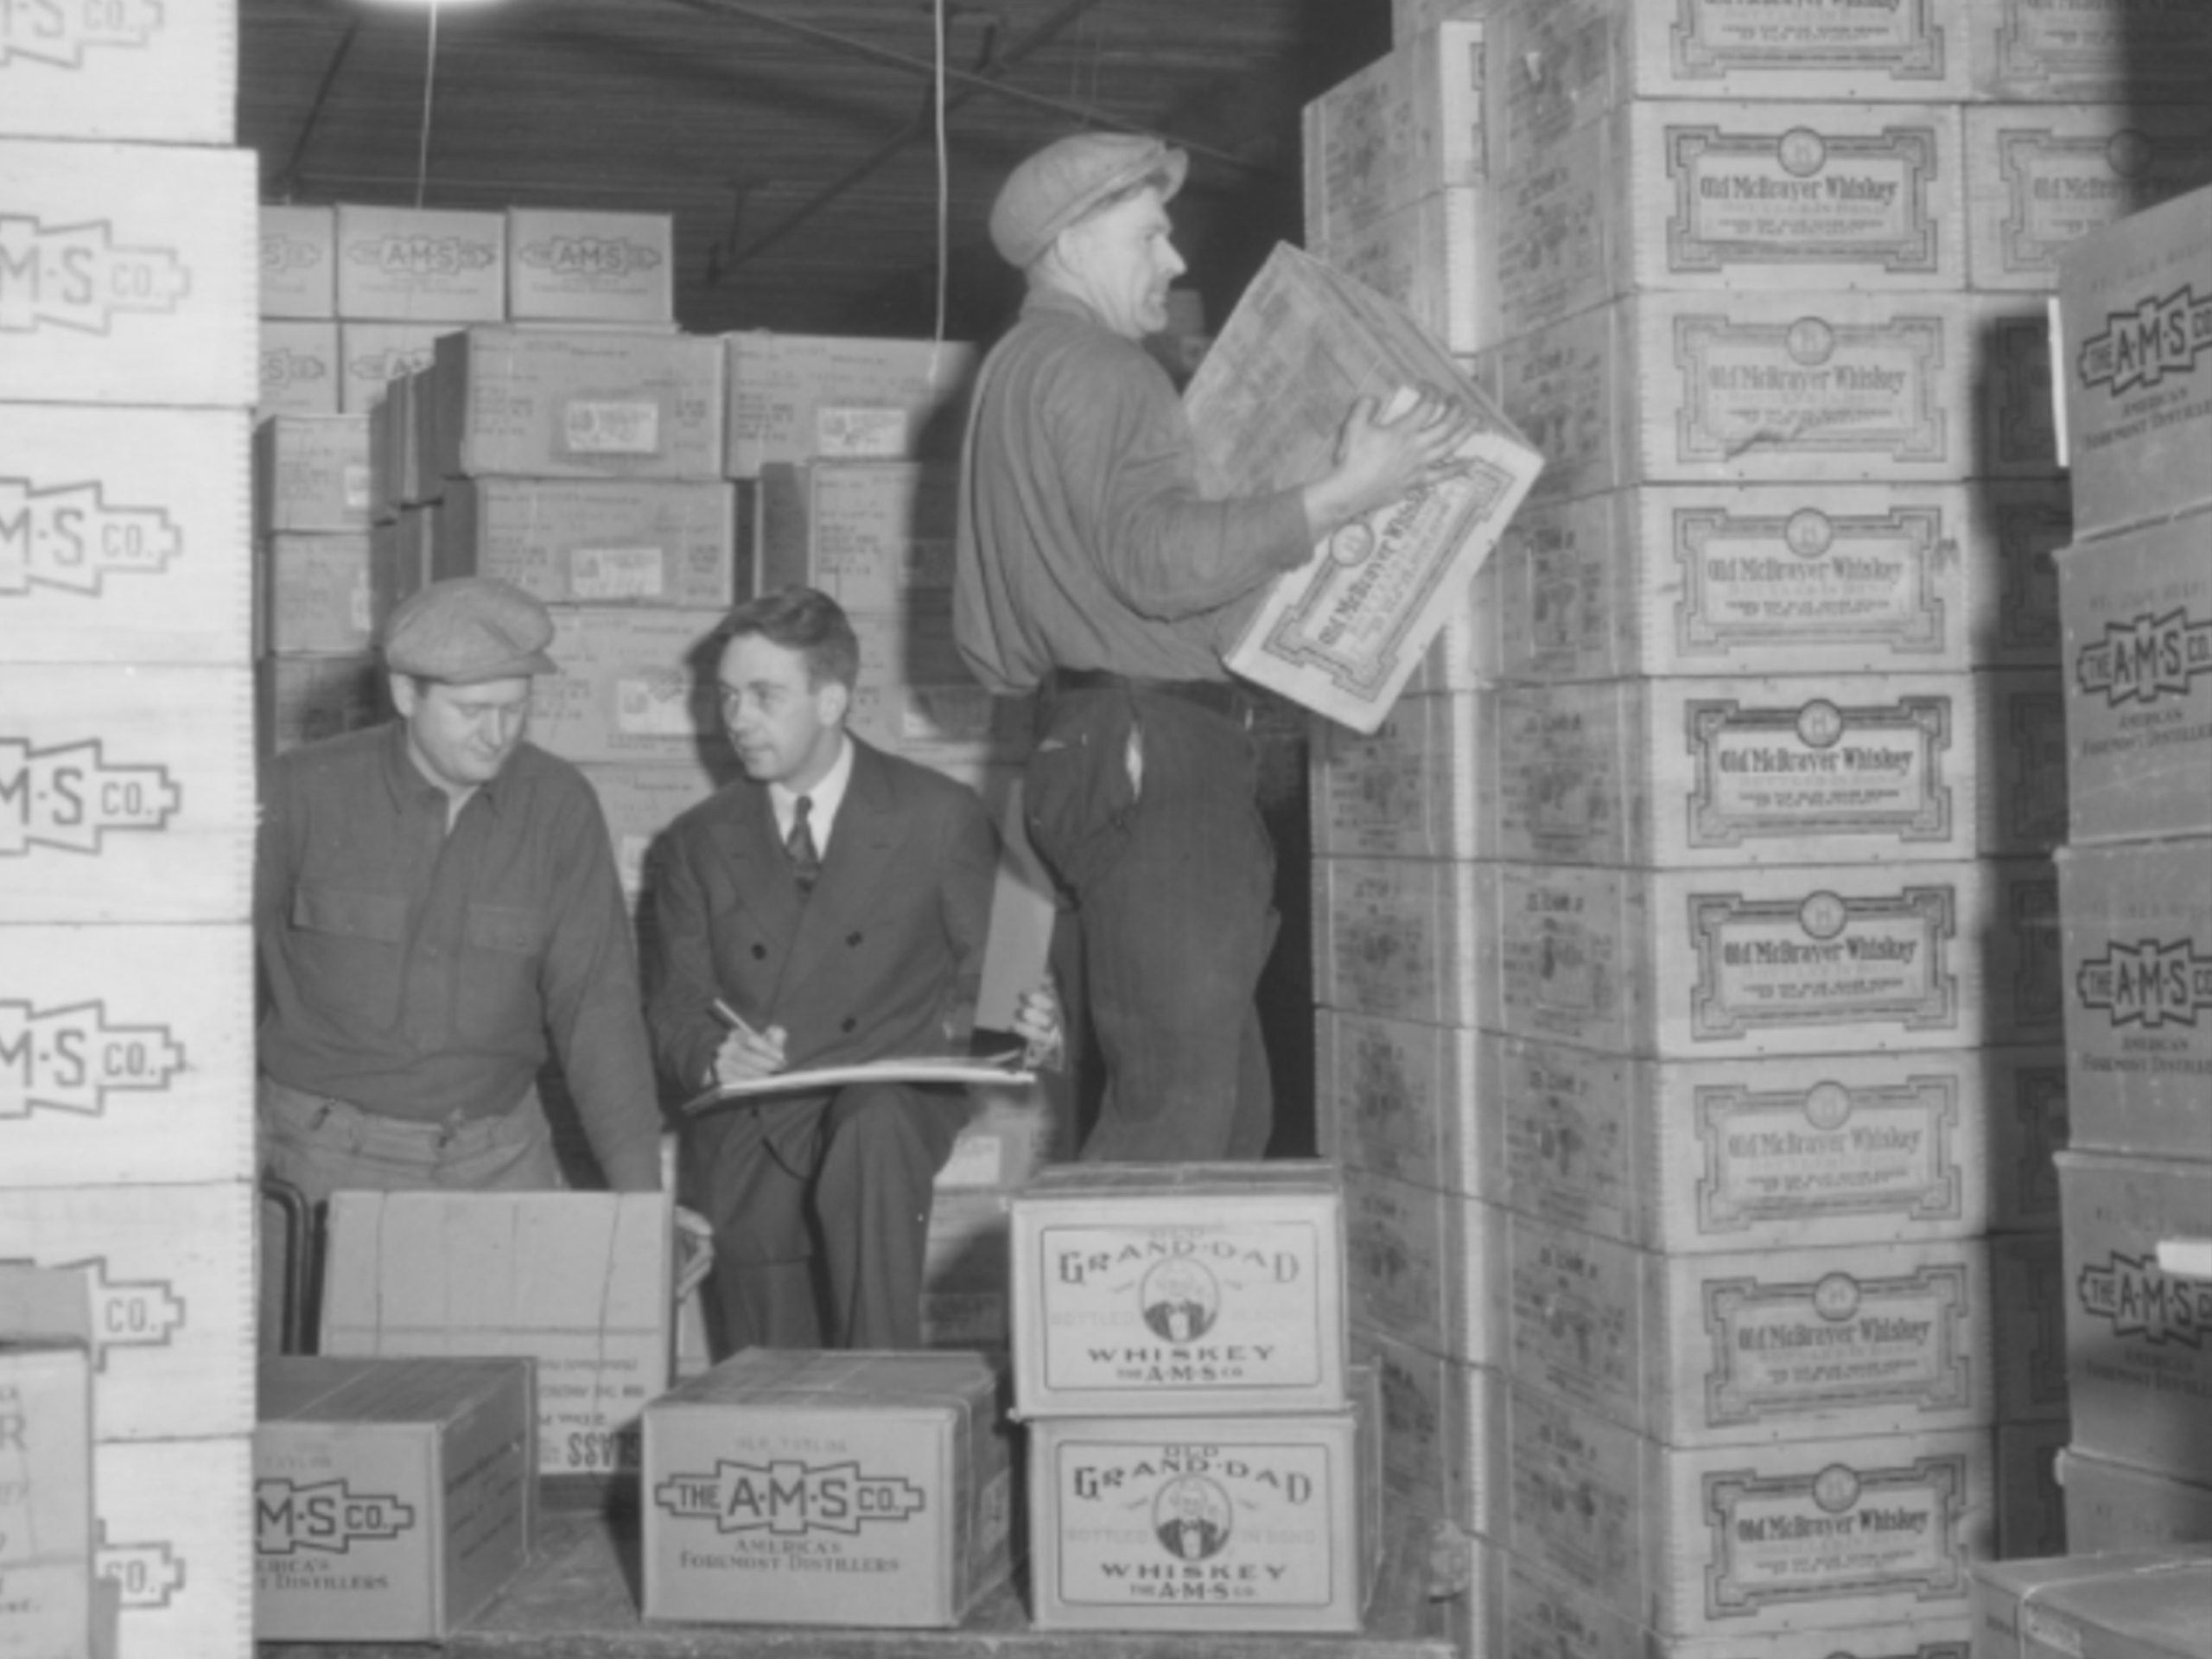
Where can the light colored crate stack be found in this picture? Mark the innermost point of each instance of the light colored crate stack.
(127, 307)
(2135, 881)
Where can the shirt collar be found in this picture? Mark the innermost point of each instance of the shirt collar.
(407, 784)
(1060, 301)
(826, 796)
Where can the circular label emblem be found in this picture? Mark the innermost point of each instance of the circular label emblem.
(1809, 533)
(1810, 341)
(1827, 1105)
(1820, 723)
(1835, 1489)
(1822, 915)
(2127, 152)
(1835, 1298)
(1192, 1517)
(1353, 543)
(1802, 152)
(1180, 1300)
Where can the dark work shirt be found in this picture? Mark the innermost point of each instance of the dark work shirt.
(417, 972)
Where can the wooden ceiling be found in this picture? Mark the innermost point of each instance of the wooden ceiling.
(793, 140)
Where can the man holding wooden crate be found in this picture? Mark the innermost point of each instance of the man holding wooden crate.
(1090, 570)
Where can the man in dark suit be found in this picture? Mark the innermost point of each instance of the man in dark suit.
(828, 907)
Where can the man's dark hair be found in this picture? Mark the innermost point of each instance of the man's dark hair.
(808, 621)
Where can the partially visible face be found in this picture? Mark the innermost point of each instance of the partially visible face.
(784, 727)
(1122, 261)
(461, 735)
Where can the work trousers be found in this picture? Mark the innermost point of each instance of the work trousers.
(820, 1205)
(319, 1145)
(1171, 873)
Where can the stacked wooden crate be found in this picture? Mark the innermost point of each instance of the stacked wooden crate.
(2136, 882)
(126, 776)
(1689, 957)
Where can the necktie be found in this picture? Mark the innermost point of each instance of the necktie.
(806, 859)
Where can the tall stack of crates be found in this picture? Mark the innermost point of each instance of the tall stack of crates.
(127, 381)
(2135, 880)
(1688, 947)
(1202, 1456)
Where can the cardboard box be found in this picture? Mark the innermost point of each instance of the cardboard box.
(1782, 579)
(1400, 1099)
(1406, 789)
(2028, 1123)
(176, 1543)
(634, 685)
(299, 261)
(168, 1273)
(796, 397)
(2079, 52)
(1152, 1291)
(2030, 1508)
(46, 1506)
(776, 1478)
(401, 553)
(372, 355)
(1407, 125)
(1442, 1455)
(1704, 1155)
(1800, 960)
(2030, 1297)
(392, 1498)
(131, 276)
(1433, 258)
(301, 369)
(319, 600)
(578, 403)
(126, 1055)
(2136, 919)
(2111, 1507)
(1425, 1267)
(158, 74)
(1795, 387)
(2040, 178)
(129, 793)
(1016, 1129)
(569, 266)
(616, 542)
(867, 533)
(312, 472)
(1396, 939)
(641, 802)
(420, 265)
(2153, 1605)
(2137, 608)
(1740, 1348)
(2136, 1356)
(1748, 1540)
(123, 534)
(2138, 418)
(578, 1282)
(1343, 634)
(1205, 1523)
(304, 699)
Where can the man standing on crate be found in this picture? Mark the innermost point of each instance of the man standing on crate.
(1091, 571)
(828, 908)
(434, 900)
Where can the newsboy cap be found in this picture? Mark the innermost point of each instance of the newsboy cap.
(469, 630)
(1066, 178)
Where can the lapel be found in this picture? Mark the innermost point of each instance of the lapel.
(760, 878)
(863, 848)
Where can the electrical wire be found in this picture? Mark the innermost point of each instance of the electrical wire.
(943, 197)
(429, 84)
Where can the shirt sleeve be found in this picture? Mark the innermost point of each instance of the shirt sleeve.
(593, 1009)
(680, 982)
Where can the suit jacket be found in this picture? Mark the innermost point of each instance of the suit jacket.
(885, 958)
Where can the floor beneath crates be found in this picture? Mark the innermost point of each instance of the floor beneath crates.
(578, 1599)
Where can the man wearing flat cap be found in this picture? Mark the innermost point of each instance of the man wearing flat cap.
(1091, 570)
(434, 899)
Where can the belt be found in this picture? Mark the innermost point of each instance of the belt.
(1230, 702)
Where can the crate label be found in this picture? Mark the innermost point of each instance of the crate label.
(2058, 187)
(61, 35)
(1811, 387)
(2149, 985)
(1750, 581)
(607, 426)
(1249, 1524)
(284, 367)
(1819, 768)
(1394, 1260)
(78, 276)
(1839, 1343)
(588, 260)
(68, 536)
(1387, 1099)
(654, 704)
(69, 1059)
(147, 1574)
(790, 1498)
(859, 432)
(612, 572)
(1822, 960)
(1734, 37)
(2080, 48)
(1574, 1496)
(379, 365)
(1141, 1310)
(2150, 656)
(1800, 197)
(69, 796)
(1829, 1150)
(1835, 1534)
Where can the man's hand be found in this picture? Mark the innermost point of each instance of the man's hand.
(1037, 1022)
(1378, 460)
(746, 1054)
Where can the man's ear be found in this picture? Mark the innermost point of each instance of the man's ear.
(832, 702)
(403, 693)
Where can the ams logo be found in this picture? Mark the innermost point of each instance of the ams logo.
(67, 536)
(77, 276)
(126, 1312)
(69, 1059)
(2139, 348)
(422, 255)
(68, 797)
(2141, 660)
(2149, 984)
(2130, 1295)
(327, 1517)
(61, 32)
(789, 1498)
(147, 1575)
(588, 256)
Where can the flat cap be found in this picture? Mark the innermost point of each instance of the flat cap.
(469, 630)
(1066, 178)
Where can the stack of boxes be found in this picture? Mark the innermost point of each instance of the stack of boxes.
(126, 767)
(1688, 945)
(2135, 881)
